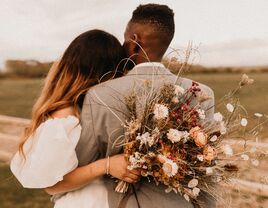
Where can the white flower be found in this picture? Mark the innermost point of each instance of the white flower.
(196, 191)
(135, 161)
(209, 170)
(213, 138)
(170, 167)
(155, 132)
(186, 197)
(179, 90)
(259, 115)
(201, 114)
(244, 122)
(133, 126)
(169, 189)
(185, 136)
(255, 162)
(223, 128)
(200, 158)
(245, 80)
(160, 111)
(227, 149)
(175, 136)
(193, 183)
(218, 117)
(145, 139)
(244, 157)
(230, 107)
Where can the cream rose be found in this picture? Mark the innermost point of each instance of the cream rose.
(175, 136)
(169, 167)
(160, 111)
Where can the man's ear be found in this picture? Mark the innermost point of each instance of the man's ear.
(136, 45)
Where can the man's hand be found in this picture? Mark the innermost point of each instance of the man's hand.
(118, 169)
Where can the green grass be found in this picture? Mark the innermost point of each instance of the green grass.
(17, 98)
(254, 98)
(12, 195)
(18, 95)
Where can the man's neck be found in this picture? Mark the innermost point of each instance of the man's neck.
(146, 60)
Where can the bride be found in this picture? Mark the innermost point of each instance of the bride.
(46, 158)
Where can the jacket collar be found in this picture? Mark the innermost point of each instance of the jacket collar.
(149, 68)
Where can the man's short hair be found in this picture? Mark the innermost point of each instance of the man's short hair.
(161, 17)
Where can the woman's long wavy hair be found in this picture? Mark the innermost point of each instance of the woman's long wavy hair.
(92, 57)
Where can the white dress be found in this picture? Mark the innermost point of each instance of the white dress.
(50, 154)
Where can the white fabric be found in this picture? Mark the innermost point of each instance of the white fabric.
(50, 154)
(93, 195)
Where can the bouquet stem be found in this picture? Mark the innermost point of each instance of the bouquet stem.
(122, 187)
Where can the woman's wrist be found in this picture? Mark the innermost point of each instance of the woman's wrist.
(98, 168)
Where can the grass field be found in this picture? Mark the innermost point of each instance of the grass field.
(17, 98)
(18, 95)
(12, 195)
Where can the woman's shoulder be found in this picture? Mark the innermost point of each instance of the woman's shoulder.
(64, 113)
(52, 145)
(65, 117)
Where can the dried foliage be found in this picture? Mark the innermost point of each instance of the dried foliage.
(172, 141)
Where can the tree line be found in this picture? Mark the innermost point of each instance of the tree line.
(37, 69)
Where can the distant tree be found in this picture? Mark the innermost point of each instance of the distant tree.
(27, 68)
(174, 65)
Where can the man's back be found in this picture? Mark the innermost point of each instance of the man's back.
(103, 116)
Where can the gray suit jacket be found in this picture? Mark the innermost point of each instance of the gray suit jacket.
(102, 117)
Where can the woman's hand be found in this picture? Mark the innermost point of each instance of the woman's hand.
(118, 169)
(83, 175)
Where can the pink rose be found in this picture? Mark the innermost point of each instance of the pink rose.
(200, 138)
(209, 153)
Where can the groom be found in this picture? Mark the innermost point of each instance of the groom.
(147, 37)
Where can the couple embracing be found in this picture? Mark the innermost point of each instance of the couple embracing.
(69, 148)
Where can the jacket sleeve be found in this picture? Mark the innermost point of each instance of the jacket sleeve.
(101, 121)
(87, 148)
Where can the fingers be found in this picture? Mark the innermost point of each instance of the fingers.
(130, 180)
(131, 177)
(135, 172)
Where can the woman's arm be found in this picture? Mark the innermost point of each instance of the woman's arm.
(81, 176)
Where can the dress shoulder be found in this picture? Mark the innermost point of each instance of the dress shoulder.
(49, 153)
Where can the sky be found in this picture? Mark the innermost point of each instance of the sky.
(227, 32)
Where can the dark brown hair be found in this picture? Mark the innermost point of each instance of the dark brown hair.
(92, 57)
